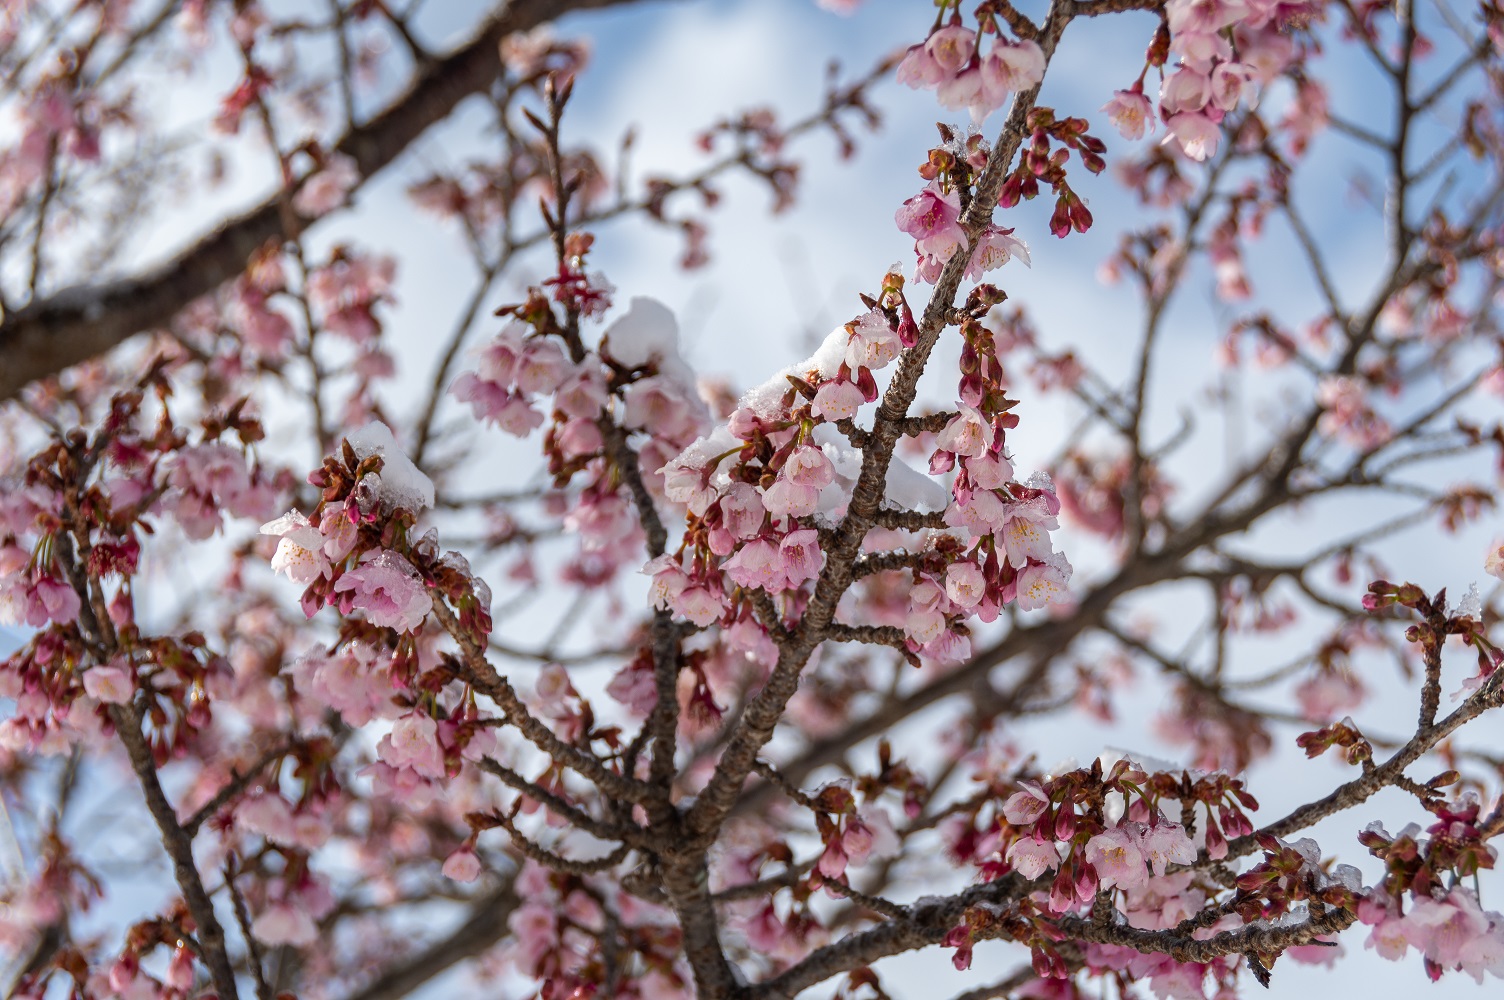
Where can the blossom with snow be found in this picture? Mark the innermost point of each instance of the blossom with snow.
(388, 589)
(300, 548)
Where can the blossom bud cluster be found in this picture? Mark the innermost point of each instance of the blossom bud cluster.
(70, 532)
(1061, 826)
(752, 522)
(851, 834)
(354, 552)
(758, 488)
(1423, 902)
(636, 384)
(1010, 556)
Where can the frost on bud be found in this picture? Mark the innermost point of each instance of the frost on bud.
(400, 483)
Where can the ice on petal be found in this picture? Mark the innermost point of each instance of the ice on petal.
(400, 483)
(1472, 603)
(700, 451)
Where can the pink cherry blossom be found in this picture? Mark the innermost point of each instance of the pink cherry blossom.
(462, 865)
(952, 47)
(1042, 583)
(1026, 805)
(799, 556)
(832, 863)
(1025, 537)
(326, 190)
(995, 247)
(1031, 858)
(756, 564)
(1117, 858)
(109, 683)
(1493, 564)
(869, 834)
(808, 466)
(919, 69)
(967, 433)
(1164, 844)
(414, 743)
(1233, 84)
(662, 405)
(741, 510)
(299, 548)
(988, 471)
(582, 394)
(1185, 90)
(964, 584)
(387, 588)
(932, 218)
(1131, 113)
(873, 342)
(698, 605)
(789, 499)
(1197, 134)
(1012, 66)
(837, 400)
(285, 923)
(489, 401)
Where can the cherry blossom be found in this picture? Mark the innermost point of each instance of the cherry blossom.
(387, 588)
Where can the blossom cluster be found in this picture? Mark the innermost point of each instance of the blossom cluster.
(1227, 50)
(374, 481)
(1421, 902)
(634, 384)
(1060, 826)
(758, 488)
(950, 62)
(933, 218)
(71, 534)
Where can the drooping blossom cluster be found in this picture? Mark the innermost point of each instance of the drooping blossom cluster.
(71, 534)
(951, 63)
(1060, 826)
(634, 391)
(1227, 52)
(1423, 902)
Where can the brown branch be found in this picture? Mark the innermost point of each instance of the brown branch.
(253, 947)
(477, 671)
(758, 722)
(1002, 988)
(909, 520)
(1359, 790)
(179, 847)
(921, 926)
(1258, 939)
(557, 862)
(238, 783)
(560, 806)
(78, 323)
(486, 925)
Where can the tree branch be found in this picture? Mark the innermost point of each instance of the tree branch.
(79, 323)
